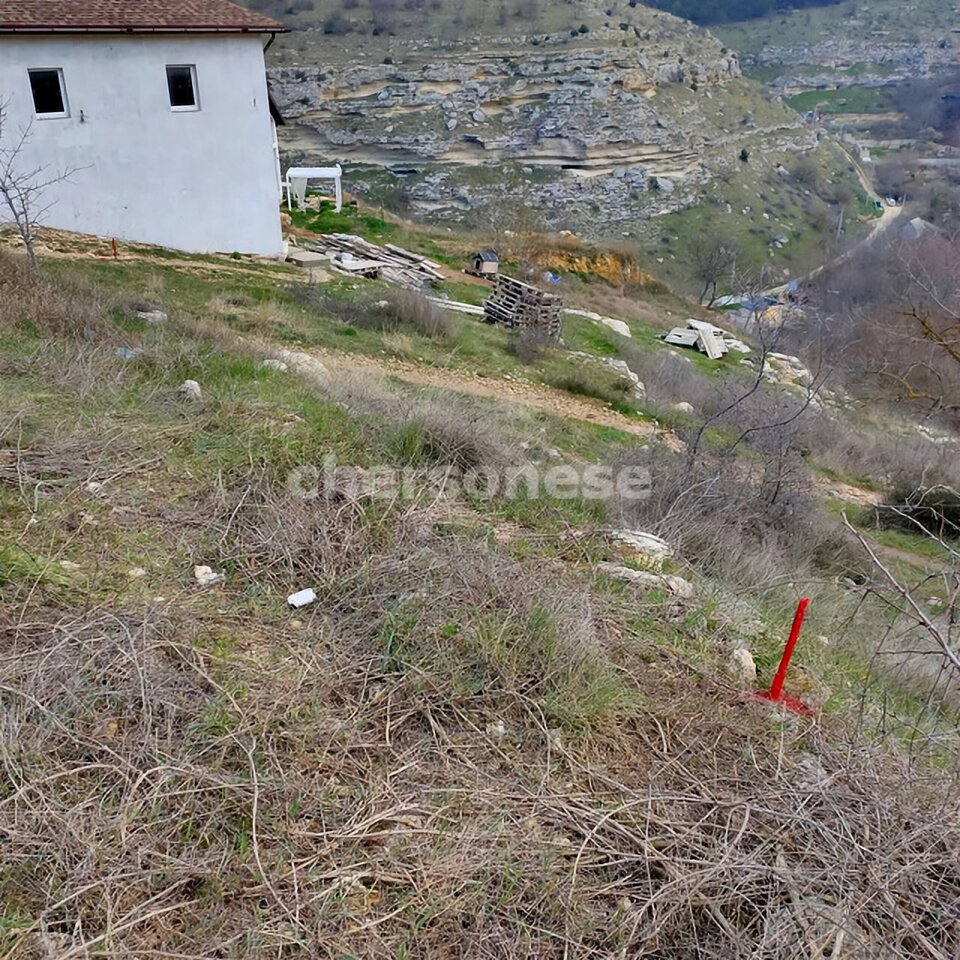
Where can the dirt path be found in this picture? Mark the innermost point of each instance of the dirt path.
(878, 228)
(532, 396)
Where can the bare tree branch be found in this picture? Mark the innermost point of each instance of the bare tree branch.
(22, 187)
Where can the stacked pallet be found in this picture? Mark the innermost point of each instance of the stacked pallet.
(355, 256)
(520, 306)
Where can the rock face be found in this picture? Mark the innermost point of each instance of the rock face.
(624, 125)
(901, 58)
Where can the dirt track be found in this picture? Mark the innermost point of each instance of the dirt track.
(532, 396)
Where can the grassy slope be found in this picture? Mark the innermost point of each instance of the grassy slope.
(922, 21)
(472, 737)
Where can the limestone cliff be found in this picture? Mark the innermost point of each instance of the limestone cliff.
(630, 123)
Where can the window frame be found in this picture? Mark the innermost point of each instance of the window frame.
(63, 114)
(188, 108)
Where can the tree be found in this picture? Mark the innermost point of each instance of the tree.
(713, 258)
(22, 185)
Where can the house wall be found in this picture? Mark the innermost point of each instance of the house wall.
(202, 181)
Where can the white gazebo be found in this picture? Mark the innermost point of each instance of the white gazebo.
(299, 177)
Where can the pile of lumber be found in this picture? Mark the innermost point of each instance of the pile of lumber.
(357, 257)
(520, 306)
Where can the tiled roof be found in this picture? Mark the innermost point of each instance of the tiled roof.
(134, 16)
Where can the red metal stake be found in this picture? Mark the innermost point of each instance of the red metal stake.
(776, 691)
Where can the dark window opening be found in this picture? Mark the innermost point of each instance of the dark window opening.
(47, 87)
(180, 83)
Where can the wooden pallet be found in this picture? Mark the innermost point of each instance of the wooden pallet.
(519, 306)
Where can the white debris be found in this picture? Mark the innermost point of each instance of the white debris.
(683, 407)
(136, 573)
(302, 599)
(207, 577)
(94, 487)
(304, 364)
(617, 326)
(743, 666)
(497, 730)
(619, 367)
(153, 317)
(190, 389)
(70, 566)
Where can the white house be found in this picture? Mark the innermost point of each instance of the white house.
(160, 110)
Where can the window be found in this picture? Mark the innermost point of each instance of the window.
(182, 85)
(49, 94)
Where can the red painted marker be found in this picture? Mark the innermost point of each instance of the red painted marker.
(776, 694)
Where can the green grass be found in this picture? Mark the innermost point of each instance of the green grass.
(764, 205)
(348, 220)
(853, 99)
(924, 20)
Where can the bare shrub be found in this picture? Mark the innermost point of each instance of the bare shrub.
(898, 456)
(933, 511)
(670, 378)
(744, 522)
(409, 309)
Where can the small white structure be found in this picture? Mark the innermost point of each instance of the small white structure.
(159, 109)
(299, 177)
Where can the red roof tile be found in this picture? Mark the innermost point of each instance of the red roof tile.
(135, 16)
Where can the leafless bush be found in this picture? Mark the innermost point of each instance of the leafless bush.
(529, 346)
(670, 379)
(409, 309)
(748, 523)
(896, 458)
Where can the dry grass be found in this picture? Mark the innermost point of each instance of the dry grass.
(430, 427)
(465, 748)
(400, 791)
(396, 310)
(65, 309)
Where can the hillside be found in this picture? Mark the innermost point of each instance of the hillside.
(608, 123)
(707, 12)
(512, 722)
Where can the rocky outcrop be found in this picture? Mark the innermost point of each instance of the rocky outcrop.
(909, 58)
(587, 109)
(630, 129)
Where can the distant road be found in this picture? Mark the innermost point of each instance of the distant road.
(878, 228)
